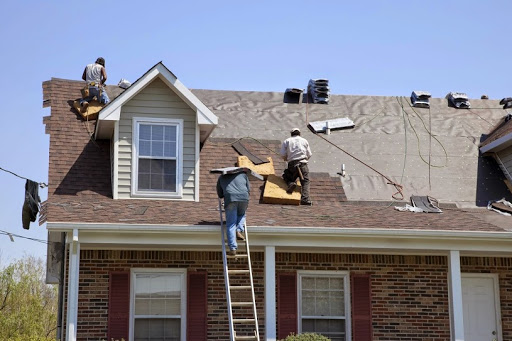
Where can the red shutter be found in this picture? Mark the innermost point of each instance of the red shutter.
(197, 306)
(361, 307)
(286, 304)
(119, 306)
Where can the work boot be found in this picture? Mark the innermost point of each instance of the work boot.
(306, 202)
(291, 187)
(240, 236)
(232, 252)
(85, 105)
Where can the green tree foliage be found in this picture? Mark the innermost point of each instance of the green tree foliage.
(28, 306)
(306, 337)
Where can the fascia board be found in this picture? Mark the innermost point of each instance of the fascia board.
(497, 145)
(296, 238)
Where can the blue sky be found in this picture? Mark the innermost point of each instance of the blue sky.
(362, 47)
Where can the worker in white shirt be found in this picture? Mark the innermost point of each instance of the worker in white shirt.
(295, 150)
(95, 77)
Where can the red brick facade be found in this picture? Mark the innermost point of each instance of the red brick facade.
(409, 293)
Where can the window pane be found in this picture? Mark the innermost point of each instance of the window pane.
(322, 306)
(144, 148)
(157, 166)
(308, 306)
(322, 283)
(157, 330)
(157, 148)
(170, 149)
(145, 132)
(156, 182)
(308, 283)
(157, 133)
(170, 167)
(171, 133)
(142, 306)
(333, 329)
(336, 283)
(143, 181)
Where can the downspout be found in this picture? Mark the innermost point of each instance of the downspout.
(60, 304)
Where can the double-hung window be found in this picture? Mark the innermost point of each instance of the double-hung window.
(158, 305)
(157, 157)
(324, 304)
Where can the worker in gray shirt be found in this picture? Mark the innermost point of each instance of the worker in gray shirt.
(235, 189)
(295, 150)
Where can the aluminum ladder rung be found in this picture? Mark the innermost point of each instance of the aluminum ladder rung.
(248, 337)
(243, 320)
(238, 272)
(240, 287)
(241, 304)
(238, 255)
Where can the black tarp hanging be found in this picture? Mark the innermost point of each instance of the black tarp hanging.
(31, 204)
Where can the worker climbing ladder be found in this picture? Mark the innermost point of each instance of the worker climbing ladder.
(241, 300)
(238, 279)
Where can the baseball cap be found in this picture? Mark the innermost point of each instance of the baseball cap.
(295, 129)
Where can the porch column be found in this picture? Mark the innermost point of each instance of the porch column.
(455, 296)
(74, 265)
(270, 293)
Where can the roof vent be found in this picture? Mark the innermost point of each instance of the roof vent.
(293, 95)
(318, 91)
(420, 99)
(459, 100)
(484, 97)
(506, 102)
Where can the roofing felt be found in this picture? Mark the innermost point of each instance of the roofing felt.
(79, 173)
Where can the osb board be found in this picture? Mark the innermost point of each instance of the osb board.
(275, 192)
(92, 111)
(263, 169)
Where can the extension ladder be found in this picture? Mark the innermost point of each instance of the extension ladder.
(240, 296)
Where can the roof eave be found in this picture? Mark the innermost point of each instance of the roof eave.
(497, 145)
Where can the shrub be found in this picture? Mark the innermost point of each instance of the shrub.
(306, 337)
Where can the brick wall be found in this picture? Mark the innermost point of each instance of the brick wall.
(95, 266)
(409, 302)
(409, 293)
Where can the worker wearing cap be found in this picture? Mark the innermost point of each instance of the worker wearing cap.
(295, 150)
(95, 76)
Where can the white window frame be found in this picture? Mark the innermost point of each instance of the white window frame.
(346, 288)
(183, 306)
(137, 121)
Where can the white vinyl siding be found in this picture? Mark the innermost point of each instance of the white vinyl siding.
(324, 304)
(157, 101)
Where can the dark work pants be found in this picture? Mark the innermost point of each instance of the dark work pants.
(292, 173)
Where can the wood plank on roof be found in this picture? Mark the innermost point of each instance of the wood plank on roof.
(275, 192)
(337, 123)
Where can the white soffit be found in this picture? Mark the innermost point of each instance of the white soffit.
(112, 111)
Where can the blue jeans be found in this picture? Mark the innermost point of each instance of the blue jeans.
(94, 91)
(235, 221)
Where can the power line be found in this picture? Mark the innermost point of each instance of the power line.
(41, 184)
(12, 235)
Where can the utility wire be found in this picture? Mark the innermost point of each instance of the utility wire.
(11, 235)
(41, 184)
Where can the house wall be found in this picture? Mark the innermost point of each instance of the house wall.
(409, 293)
(157, 100)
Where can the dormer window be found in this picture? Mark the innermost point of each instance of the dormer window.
(156, 157)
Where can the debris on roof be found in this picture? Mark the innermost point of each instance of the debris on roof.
(240, 148)
(263, 169)
(425, 204)
(124, 84)
(420, 99)
(334, 124)
(506, 102)
(318, 91)
(275, 192)
(459, 100)
(502, 206)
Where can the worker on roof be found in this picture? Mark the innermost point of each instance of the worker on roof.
(295, 150)
(235, 190)
(95, 77)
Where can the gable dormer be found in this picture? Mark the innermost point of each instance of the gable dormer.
(156, 128)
